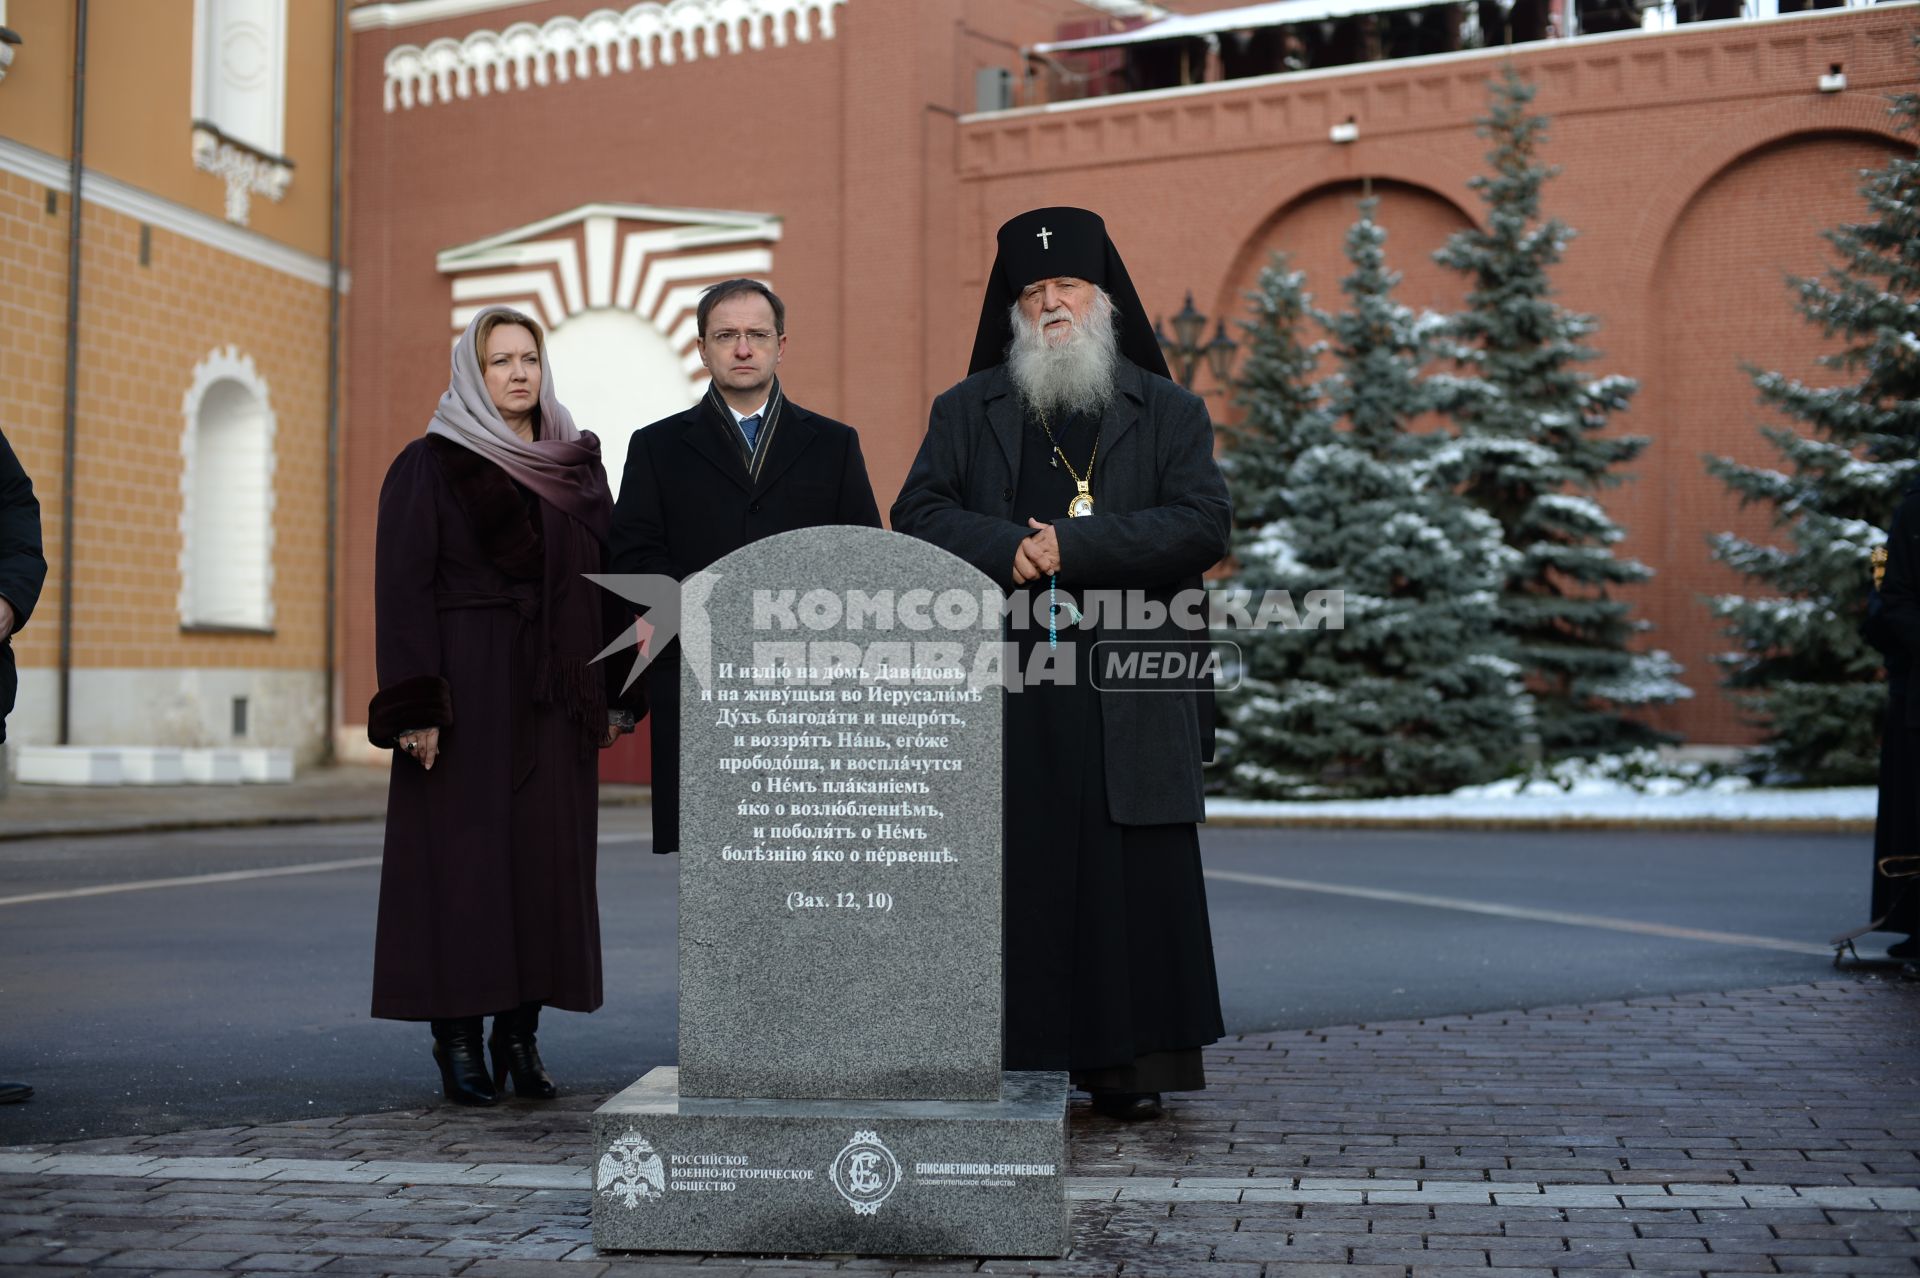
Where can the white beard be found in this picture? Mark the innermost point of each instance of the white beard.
(1075, 376)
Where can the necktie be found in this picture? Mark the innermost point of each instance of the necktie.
(750, 427)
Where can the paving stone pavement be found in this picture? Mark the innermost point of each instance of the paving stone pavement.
(1761, 1132)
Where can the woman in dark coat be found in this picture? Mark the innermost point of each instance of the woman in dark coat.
(485, 630)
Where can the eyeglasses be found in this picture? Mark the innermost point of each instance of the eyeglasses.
(729, 336)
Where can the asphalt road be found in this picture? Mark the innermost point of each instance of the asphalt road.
(243, 999)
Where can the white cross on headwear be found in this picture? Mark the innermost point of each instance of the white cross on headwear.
(1043, 236)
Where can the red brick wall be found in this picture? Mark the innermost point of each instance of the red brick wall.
(1698, 166)
(890, 198)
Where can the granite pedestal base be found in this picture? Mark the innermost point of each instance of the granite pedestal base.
(871, 1177)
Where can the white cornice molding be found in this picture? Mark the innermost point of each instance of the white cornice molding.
(111, 193)
(408, 13)
(685, 223)
(1127, 9)
(525, 56)
(33, 165)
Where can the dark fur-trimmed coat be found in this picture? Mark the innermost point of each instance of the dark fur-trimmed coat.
(487, 887)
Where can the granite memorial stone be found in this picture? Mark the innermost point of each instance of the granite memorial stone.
(839, 1086)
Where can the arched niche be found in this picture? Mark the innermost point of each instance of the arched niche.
(227, 501)
(1311, 230)
(615, 372)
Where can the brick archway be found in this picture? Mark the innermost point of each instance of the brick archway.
(1336, 166)
(1692, 172)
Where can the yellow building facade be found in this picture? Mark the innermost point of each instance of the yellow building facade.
(186, 601)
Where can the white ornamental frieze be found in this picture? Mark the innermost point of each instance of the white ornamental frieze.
(605, 42)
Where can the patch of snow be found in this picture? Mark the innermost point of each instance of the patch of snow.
(1590, 800)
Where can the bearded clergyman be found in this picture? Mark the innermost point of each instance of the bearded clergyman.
(1068, 465)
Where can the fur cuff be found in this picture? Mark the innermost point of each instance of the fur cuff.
(424, 701)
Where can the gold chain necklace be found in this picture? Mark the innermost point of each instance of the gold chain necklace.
(1082, 503)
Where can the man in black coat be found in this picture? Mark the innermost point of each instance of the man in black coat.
(1068, 464)
(1893, 626)
(23, 568)
(742, 464)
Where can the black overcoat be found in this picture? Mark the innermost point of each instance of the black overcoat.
(23, 566)
(1162, 519)
(686, 502)
(1893, 626)
(487, 893)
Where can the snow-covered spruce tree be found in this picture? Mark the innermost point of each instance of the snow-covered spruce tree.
(1281, 415)
(1801, 667)
(1281, 410)
(1532, 423)
(1413, 694)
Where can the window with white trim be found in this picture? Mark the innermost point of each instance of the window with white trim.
(240, 71)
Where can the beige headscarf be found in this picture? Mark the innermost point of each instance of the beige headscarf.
(562, 467)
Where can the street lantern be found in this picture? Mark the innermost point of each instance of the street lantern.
(1184, 351)
(1188, 325)
(1220, 353)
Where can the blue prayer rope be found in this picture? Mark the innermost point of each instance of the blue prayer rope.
(1053, 612)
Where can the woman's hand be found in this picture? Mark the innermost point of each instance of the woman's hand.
(423, 744)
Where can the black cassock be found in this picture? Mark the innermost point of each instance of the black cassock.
(1108, 953)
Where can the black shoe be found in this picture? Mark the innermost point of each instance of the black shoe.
(1907, 949)
(515, 1052)
(463, 1065)
(11, 1092)
(1129, 1107)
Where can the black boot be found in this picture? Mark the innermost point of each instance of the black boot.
(1128, 1107)
(463, 1065)
(516, 1053)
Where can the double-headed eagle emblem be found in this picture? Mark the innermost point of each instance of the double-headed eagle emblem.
(631, 1172)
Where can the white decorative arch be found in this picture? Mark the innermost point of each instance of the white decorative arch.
(526, 56)
(648, 260)
(226, 495)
